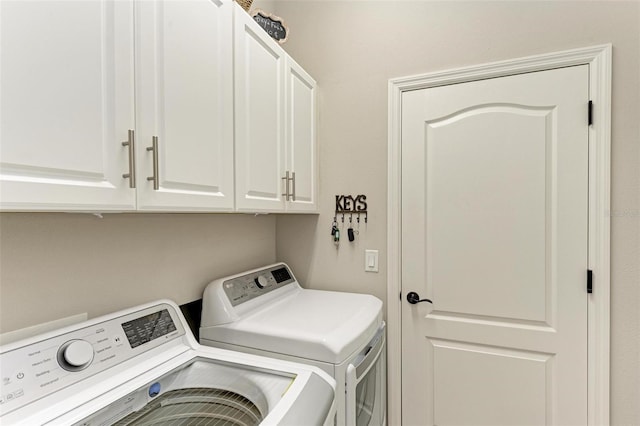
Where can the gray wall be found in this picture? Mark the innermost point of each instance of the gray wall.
(54, 265)
(352, 48)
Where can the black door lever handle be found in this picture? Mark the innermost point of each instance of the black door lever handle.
(414, 298)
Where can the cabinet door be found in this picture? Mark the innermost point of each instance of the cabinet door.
(67, 104)
(259, 107)
(184, 99)
(301, 138)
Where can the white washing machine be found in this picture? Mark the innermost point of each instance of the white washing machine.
(266, 312)
(143, 366)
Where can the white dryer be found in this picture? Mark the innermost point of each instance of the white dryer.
(265, 311)
(143, 366)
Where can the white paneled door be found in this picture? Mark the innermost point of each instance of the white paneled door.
(494, 232)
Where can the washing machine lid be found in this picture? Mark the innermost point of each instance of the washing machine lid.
(201, 390)
(67, 375)
(324, 326)
(202, 406)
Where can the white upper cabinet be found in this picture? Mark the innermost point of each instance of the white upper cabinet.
(275, 107)
(259, 108)
(130, 105)
(66, 105)
(301, 147)
(184, 102)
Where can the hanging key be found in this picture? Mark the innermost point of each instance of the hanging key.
(350, 229)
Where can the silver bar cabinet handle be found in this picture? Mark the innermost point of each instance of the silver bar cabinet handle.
(156, 172)
(293, 186)
(286, 186)
(130, 142)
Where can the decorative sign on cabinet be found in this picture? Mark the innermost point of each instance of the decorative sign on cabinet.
(272, 24)
(128, 105)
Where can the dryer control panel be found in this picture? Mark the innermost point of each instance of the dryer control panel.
(41, 367)
(255, 284)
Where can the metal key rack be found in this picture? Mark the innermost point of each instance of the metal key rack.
(350, 206)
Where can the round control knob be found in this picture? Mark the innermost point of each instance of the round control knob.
(75, 355)
(261, 281)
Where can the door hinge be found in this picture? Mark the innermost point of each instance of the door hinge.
(589, 281)
(590, 113)
(400, 295)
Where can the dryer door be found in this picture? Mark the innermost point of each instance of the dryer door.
(366, 384)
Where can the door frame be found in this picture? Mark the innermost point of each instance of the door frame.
(598, 321)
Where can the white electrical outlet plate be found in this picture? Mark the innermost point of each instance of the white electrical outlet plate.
(371, 260)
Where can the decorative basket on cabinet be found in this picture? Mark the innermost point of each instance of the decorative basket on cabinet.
(246, 4)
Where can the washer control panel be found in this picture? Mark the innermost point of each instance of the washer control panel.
(35, 370)
(255, 284)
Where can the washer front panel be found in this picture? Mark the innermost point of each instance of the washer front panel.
(36, 370)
